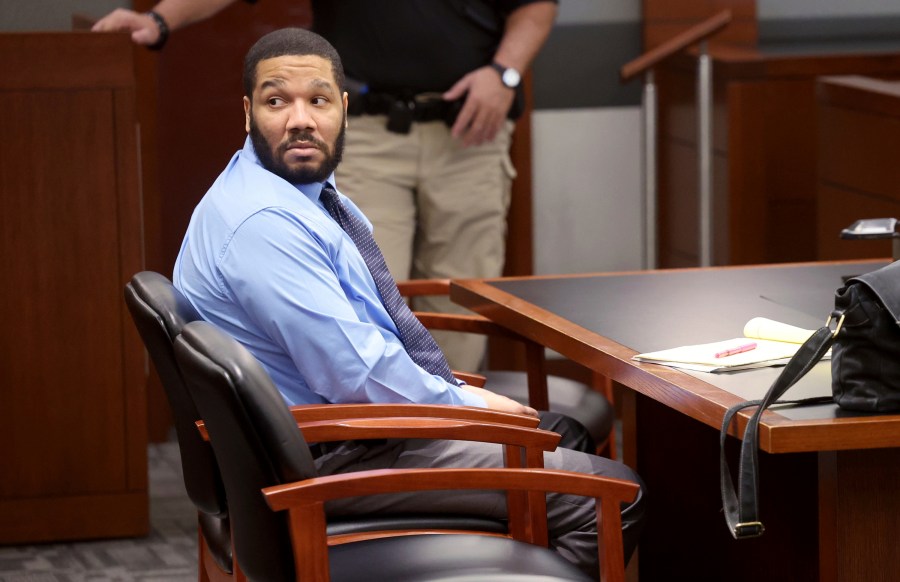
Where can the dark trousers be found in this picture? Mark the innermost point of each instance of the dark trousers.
(574, 435)
(571, 519)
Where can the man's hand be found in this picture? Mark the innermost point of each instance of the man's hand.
(500, 403)
(485, 109)
(142, 28)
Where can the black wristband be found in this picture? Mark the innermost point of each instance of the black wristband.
(163, 30)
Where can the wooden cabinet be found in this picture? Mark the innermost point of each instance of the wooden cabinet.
(859, 173)
(765, 136)
(73, 456)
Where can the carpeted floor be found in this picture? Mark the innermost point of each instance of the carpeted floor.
(168, 554)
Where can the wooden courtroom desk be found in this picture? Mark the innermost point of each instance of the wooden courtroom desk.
(73, 431)
(829, 479)
(765, 134)
(859, 176)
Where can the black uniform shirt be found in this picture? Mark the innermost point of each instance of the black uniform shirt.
(412, 46)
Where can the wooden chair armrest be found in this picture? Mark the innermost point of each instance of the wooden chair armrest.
(515, 440)
(417, 287)
(305, 502)
(407, 427)
(464, 323)
(312, 412)
(429, 428)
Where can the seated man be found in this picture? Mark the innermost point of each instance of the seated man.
(286, 265)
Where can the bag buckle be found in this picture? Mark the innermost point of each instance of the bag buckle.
(837, 327)
(749, 529)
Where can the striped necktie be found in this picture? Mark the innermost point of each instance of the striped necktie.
(419, 344)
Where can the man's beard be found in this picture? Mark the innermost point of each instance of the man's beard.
(272, 158)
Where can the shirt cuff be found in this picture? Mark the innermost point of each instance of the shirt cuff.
(470, 399)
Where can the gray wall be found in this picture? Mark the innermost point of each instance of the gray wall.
(803, 9)
(792, 21)
(586, 149)
(51, 14)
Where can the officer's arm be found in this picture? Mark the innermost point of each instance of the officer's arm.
(176, 14)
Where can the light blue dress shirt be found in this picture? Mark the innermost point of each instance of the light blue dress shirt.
(263, 260)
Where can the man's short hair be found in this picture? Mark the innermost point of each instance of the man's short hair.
(290, 42)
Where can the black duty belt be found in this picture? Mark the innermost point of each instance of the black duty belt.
(402, 112)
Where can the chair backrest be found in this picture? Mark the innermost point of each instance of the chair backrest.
(160, 312)
(255, 439)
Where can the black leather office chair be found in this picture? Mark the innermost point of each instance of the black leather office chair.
(259, 448)
(160, 312)
(574, 399)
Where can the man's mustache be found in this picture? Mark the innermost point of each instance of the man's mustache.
(303, 138)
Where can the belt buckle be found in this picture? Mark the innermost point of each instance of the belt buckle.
(433, 107)
(427, 101)
(754, 529)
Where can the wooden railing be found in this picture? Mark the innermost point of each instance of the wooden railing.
(646, 63)
(676, 44)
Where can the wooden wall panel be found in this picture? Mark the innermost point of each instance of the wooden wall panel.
(683, 10)
(747, 214)
(859, 176)
(790, 165)
(838, 209)
(679, 209)
(697, 9)
(765, 129)
(664, 19)
(678, 199)
(72, 368)
(738, 31)
(72, 255)
(853, 140)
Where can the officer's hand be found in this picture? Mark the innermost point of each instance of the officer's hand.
(487, 103)
(142, 28)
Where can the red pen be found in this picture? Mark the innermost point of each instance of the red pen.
(737, 350)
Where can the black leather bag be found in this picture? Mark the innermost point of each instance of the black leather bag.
(865, 365)
(863, 332)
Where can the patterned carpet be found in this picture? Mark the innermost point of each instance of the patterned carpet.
(168, 554)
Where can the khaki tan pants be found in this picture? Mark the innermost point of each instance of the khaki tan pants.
(438, 210)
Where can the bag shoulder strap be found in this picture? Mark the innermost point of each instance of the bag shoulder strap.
(741, 508)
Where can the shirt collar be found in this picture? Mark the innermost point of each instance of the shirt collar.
(312, 190)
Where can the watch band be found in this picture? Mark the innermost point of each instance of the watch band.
(163, 27)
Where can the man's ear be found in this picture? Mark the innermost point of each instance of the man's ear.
(246, 114)
(346, 101)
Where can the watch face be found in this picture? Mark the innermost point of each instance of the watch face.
(511, 78)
